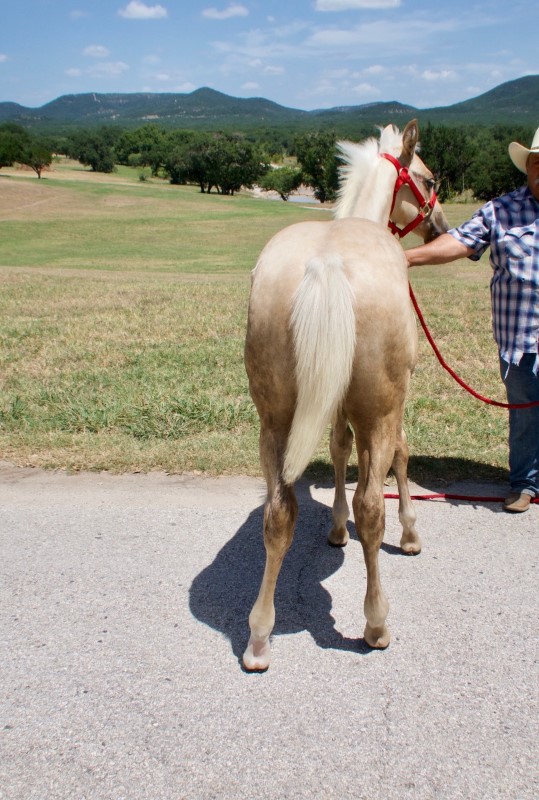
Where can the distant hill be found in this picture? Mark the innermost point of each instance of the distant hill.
(515, 103)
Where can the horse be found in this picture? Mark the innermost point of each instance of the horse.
(332, 339)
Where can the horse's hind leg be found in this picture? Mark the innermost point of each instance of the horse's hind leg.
(410, 542)
(280, 514)
(374, 456)
(340, 447)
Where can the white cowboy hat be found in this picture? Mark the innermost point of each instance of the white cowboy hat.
(519, 154)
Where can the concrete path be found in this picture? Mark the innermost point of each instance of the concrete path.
(124, 604)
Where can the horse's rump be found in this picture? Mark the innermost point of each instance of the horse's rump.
(312, 317)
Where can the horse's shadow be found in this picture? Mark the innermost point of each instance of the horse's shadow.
(223, 594)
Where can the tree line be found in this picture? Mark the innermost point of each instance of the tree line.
(463, 159)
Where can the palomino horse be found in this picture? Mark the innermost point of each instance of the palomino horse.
(332, 338)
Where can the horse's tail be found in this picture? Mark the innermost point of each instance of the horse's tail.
(324, 330)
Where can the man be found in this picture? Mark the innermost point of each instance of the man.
(508, 225)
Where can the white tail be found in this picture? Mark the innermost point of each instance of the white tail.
(324, 329)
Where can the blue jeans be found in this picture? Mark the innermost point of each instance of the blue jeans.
(522, 386)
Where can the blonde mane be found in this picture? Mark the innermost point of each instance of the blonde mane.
(358, 162)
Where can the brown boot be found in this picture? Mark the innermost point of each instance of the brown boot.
(517, 502)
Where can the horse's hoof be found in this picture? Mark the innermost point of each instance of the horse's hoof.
(257, 655)
(378, 638)
(411, 547)
(338, 538)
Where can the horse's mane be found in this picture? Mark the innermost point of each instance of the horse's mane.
(359, 159)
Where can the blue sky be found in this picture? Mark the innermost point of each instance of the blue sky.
(300, 53)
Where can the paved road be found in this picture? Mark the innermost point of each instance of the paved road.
(123, 618)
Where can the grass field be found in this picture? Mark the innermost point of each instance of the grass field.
(122, 318)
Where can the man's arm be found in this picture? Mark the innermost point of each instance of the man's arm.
(441, 250)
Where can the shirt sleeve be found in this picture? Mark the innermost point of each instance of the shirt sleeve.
(476, 232)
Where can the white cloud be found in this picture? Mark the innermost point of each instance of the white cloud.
(74, 72)
(186, 87)
(233, 10)
(77, 14)
(291, 29)
(353, 5)
(108, 69)
(3, 58)
(250, 85)
(137, 10)
(441, 75)
(254, 45)
(366, 90)
(376, 69)
(324, 87)
(378, 34)
(96, 51)
(273, 70)
(338, 74)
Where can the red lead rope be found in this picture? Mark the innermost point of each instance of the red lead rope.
(469, 498)
(452, 372)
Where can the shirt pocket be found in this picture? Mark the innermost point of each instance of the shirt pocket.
(519, 241)
(518, 247)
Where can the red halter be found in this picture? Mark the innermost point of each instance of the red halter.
(425, 206)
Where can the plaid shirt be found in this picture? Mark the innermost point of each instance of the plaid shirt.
(508, 225)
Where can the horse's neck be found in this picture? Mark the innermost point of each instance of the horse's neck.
(376, 195)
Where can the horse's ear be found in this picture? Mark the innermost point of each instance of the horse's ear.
(410, 136)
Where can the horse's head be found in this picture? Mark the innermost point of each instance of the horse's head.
(415, 205)
(404, 193)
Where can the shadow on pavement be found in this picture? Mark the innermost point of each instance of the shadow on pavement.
(222, 595)
(436, 475)
(428, 471)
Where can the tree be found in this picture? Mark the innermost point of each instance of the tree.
(36, 155)
(282, 180)
(143, 147)
(13, 138)
(181, 150)
(95, 149)
(316, 155)
(236, 163)
(18, 146)
(224, 161)
(493, 172)
(450, 153)
(199, 164)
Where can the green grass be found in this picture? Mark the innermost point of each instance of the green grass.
(140, 226)
(119, 374)
(122, 320)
